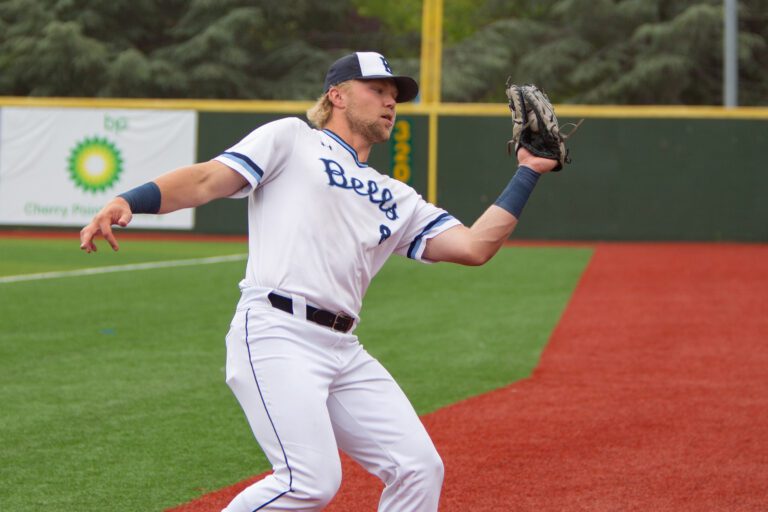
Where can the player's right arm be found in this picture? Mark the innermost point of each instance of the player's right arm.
(197, 184)
(185, 187)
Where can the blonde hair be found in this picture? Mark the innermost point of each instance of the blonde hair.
(320, 113)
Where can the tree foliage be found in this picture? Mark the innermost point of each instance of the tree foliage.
(613, 51)
(580, 51)
(263, 49)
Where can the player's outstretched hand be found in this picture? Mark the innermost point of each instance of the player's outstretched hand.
(537, 163)
(116, 212)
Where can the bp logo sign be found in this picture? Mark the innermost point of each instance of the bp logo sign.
(95, 164)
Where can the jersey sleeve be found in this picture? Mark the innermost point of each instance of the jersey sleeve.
(426, 222)
(262, 154)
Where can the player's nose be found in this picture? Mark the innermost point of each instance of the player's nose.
(390, 96)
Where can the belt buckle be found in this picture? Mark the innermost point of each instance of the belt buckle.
(341, 317)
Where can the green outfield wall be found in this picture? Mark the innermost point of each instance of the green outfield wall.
(643, 178)
(638, 172)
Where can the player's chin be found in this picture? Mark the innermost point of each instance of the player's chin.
(378, 133)
(386, 129)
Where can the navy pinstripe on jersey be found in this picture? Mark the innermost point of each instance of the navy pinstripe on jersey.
(416, 244)
(246, 162)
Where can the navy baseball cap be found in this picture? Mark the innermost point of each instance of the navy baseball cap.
(369, 66)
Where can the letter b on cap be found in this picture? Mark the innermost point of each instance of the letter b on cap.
(386, 65)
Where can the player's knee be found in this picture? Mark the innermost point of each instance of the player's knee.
(427, 471)
(317, 485)
(327, 487)
(432, 469)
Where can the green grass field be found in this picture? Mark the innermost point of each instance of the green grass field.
(112, 385)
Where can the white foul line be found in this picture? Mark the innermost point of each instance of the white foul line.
(123, 268)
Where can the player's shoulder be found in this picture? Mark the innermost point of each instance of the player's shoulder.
(399, 189)
(284, 130)
(287, 124)
(394, 182)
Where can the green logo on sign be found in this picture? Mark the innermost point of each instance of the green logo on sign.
(95, 164)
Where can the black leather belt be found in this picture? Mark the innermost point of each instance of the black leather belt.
(341, 322)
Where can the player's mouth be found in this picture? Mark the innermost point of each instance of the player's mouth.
(389, 118)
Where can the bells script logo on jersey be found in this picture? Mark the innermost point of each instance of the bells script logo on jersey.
(383, 198)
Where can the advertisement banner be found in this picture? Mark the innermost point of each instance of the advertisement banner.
(58, 167)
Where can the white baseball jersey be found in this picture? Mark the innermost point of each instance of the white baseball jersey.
(321, 222)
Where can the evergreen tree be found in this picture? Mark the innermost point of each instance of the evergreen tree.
(613, 51)
(580, 51)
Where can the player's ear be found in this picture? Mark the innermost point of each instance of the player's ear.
(337, 97)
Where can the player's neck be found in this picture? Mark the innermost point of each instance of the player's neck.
(357, 141)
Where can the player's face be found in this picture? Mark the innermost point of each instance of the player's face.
(371, 108)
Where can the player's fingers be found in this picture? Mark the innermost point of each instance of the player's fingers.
(86, 239)
(105, 226)
(88, 247)
(110, 238)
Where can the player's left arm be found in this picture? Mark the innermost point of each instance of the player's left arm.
(477, 244)
(474, 245)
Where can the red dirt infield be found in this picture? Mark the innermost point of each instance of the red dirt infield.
(652, 395)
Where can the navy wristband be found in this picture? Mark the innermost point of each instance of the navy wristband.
(144, 198)
(518, 191)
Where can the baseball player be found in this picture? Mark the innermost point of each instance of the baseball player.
(321, 223)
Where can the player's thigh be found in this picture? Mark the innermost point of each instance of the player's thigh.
(281, 386)
(376, 424)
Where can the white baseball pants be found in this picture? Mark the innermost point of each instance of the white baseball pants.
(308, 391)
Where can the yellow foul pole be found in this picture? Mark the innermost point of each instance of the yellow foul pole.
(431, 69)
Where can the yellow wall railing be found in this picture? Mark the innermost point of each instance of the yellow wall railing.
(445, 109)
